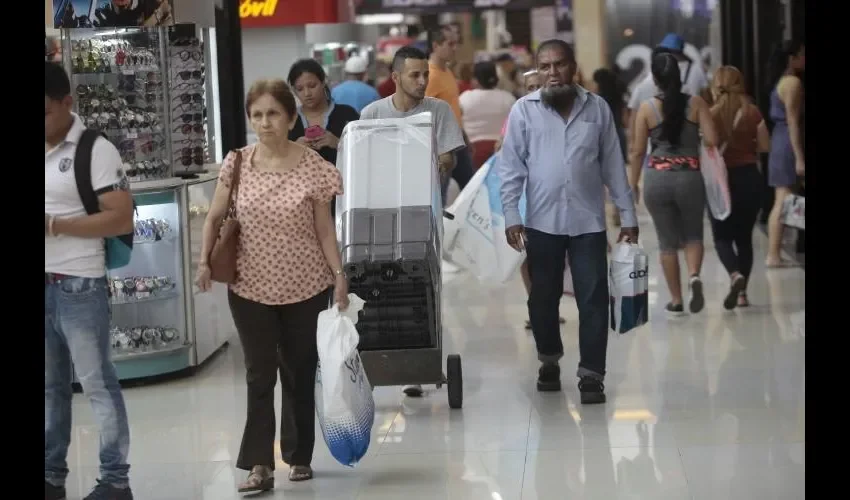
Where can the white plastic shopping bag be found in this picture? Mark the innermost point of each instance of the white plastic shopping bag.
(344, 401)
(716, 180)
(475, 234)
(794, 211)
(629, 287)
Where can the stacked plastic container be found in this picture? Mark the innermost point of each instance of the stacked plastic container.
(389, 226)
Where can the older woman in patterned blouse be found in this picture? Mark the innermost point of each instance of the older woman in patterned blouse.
(287, 264)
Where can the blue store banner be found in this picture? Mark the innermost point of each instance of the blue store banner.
(112, 13)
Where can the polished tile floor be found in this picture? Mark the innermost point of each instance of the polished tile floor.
(707, 407)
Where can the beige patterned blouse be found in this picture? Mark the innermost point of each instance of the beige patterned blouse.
(279, 257)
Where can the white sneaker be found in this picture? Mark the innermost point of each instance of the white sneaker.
(449, 268)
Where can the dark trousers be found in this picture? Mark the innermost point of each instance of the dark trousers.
(463, 171)
(278, 338)
(733, 237)
(588, 254)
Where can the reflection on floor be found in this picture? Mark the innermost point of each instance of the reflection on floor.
(704, 407)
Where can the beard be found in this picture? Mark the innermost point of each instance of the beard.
(558, 98)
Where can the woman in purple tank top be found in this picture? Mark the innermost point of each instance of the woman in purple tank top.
(786, 162)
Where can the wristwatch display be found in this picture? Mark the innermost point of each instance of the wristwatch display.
(148, 312)
(143, 338)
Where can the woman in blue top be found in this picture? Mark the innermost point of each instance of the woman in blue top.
(787, 160)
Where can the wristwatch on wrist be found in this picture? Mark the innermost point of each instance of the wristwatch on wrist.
(339, 272)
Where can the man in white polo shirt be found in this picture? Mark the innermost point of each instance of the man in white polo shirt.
(76, 302)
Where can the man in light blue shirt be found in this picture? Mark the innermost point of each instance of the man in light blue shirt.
(354, 91)
(562, 147)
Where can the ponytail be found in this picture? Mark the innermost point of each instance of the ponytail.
(728, 84)
(665, 70)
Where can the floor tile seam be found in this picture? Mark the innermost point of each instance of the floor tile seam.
(383, 438)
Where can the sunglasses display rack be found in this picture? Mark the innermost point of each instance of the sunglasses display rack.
(188, 104)
(117, 80)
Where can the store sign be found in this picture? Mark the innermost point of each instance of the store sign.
(253, 8)
(272, 13)
(438, 6)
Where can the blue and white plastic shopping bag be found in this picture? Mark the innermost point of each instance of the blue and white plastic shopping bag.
(475, 236)
(629, 287)
(344, 401)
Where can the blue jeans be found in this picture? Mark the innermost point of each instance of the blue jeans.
(76, 337)
(588, 254)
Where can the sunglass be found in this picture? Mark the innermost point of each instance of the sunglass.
(187, 160)
(185, 55)
(185, 42)
(185, 75)
(95, 91)
(189, 128)
(148, 97)
(183, 86)
(190, 142)
(195, 151)
(151, 146)
(189, 117)
(187, 98)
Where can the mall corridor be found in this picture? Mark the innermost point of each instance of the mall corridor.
(709, 407)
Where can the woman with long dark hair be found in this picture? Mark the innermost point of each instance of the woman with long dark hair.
(787, 160)
(320, 121)
(674, 190)
(743, 134)
(609, 88)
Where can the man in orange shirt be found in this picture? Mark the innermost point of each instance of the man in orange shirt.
(442, 84)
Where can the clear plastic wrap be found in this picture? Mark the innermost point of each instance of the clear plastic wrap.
(389, 163)
(389, 227)
(392, 189)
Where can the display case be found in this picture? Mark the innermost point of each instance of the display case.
(149, 316)
(161, 324)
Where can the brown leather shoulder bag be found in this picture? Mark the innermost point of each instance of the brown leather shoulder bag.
(222, 260)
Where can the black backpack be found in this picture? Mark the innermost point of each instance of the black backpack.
(119, 249)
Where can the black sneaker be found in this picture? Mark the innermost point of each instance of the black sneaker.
(412, 391)
(675, 309)
(592, 391)
(53, 492)
(106, 491)
(549, 378)
(697, 301)
(735, 290)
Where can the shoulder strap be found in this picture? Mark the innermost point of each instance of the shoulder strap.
(234, 182)
(735, 122)
(687, 72)
(82, 170)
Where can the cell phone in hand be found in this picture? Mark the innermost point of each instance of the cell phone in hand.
(314, 132)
